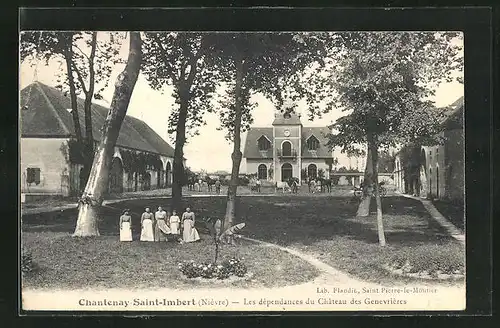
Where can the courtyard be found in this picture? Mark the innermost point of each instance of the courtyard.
(324, 228)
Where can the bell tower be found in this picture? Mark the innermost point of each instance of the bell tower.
(287, 132)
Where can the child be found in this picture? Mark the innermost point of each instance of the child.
(174, 224)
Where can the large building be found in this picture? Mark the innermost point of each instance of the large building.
(440, 170)
(47, 130)
(286, 148)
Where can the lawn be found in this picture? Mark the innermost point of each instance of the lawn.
(454, 212)
(65, 262)
(321, 226)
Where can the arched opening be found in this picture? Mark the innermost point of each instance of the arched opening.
(116, 177)
(168, 175)
(423, 174)
(312, 171)
(146, 181)
(430, 181)
(286, 171)
(262, 172)
(286, 148)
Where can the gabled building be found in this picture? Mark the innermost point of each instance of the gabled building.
(46, 129)
(285, 148)
(437, 171)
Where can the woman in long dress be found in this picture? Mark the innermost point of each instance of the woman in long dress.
(161, 226)
(147, 226)
(175, 224)
(189, 233)
(125, 228)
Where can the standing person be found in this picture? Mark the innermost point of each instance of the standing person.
(217, 186)
(147, 233)
(175, 224)
(258, 185)
(161, 227)
(189, 233)
(125, 226)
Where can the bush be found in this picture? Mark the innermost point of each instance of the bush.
(224, 270)
(27, 264)
(243, 181)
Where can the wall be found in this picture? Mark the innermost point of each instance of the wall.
(46, 155)
(253, 164)
(455, 164)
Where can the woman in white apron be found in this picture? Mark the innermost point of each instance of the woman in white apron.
(147, 233)
(161, 227)
(125, 228)
(189, 233)
(175, 224)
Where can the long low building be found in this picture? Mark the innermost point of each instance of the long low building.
(47, 135)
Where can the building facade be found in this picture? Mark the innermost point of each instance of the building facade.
(439, 171)
(47, 130)
(287, 149)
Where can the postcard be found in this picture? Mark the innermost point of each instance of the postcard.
(242, 171)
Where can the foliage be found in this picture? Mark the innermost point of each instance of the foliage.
(233, 266)
(321, 173)
(386, 162)
(73, 151)
(140, 162)
(50, 45)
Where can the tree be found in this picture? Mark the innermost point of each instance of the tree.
(88, 63)
(97, 183)
(251, 63)
(177, 59)
(384, 79)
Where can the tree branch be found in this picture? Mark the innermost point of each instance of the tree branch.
(80, 77)
(170, 70)
(81, 51)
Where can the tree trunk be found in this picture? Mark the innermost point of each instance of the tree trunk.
(97, 183)
(380, 222)
(89, 94)
(178, 167)
(364, 205)
(236, 155)
(68, 56)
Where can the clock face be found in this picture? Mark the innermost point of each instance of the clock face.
(287, 133)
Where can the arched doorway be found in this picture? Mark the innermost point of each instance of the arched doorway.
(312, 171)
(146, 181)
(262, 172)
(286, 171)
(116, 176)
(423, 174)
(168, 174)
(286, 148)
(430, 182)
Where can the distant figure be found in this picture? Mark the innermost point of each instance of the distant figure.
(175, 224)
(217, 186)
(161, 227)
(147, 233)
(257, 183)
(125, 226)
(200, 184)
(189, 232)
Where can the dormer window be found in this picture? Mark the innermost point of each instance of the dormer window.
(263, 143)
(312, 143)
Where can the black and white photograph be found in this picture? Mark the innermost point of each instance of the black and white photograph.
(242, 171)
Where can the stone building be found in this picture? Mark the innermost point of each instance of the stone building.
(439, 170)
(46, 132)
(285, 148)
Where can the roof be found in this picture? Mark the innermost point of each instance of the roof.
(251, 150)
(48, 116)
(281, 119)
(454, 115)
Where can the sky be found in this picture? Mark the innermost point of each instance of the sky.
(209, 150)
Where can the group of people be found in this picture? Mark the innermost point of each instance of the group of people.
(160, 225)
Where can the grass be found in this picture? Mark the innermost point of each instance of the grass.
(64, 262)
(320, 226)
(453, 211)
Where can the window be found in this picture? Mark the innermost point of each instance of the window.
(33, 175)
(437, 154)
(312, 171)
(312, 143)
(262, 172)
(263, 143)
(286, 148)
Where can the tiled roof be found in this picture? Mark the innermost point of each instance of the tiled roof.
(251, 149)
(47, 116)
